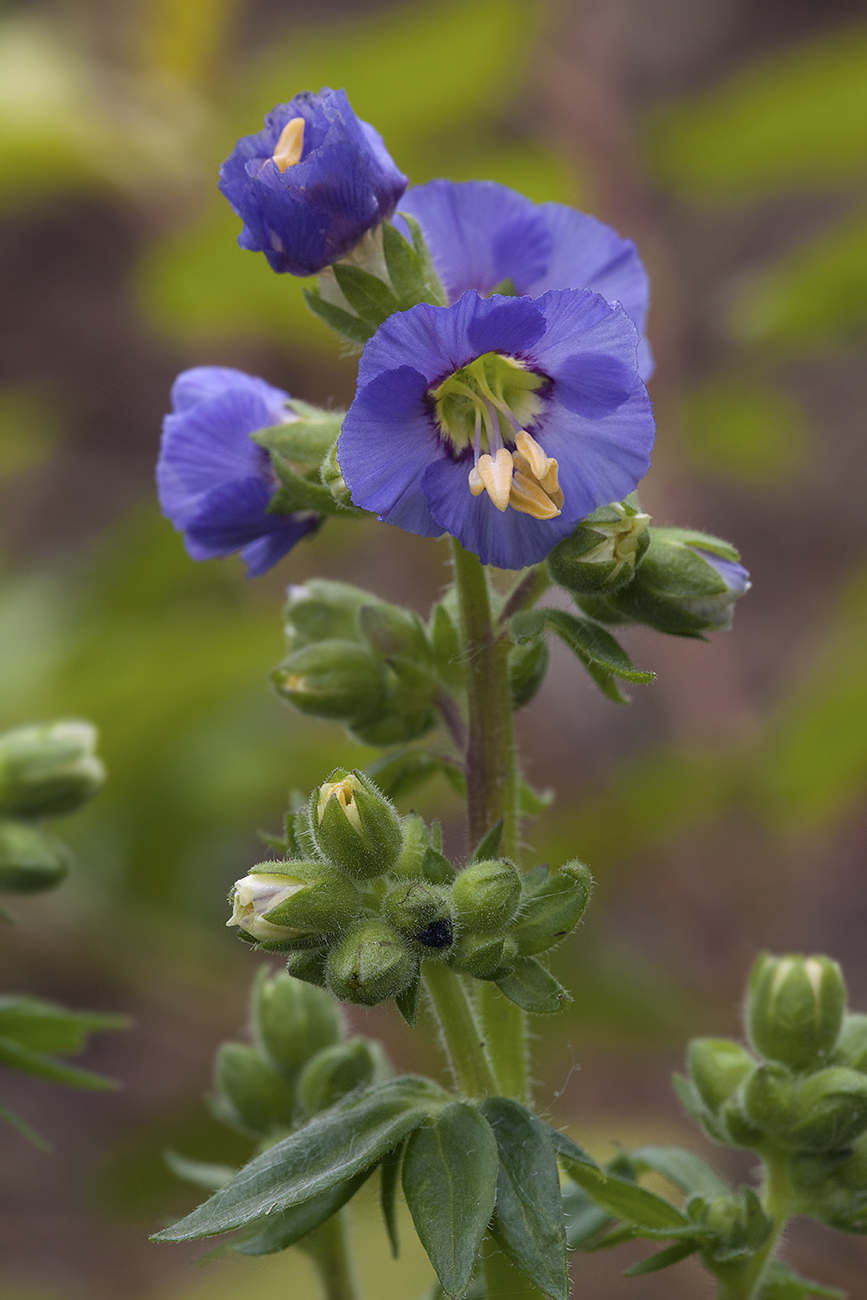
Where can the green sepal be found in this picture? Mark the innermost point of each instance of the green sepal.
(389, 1181)
(783, 1283)
(534, 988)
(627, 1200)
(407, 1002)
(433, 289)
(202, 1173)
(297, 493)
(336, 1071)
(663, 1258)
(308, 965)
(367, 295)
(408, 271)
(291, 1021)
(289, 1227)
(338, 1144)
(342, 322)
(552, 908)
(450, 1180)
(690, 1098)
(305, 440)
(528, 1220)
(251, 1094)
(16, 1057)
(47, 1027)
(31, 859)
(489, 845)
(602, 656)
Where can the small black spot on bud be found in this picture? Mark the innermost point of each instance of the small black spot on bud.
(439, 934)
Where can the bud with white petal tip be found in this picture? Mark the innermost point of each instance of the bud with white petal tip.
(355, 826)
(48, 770)
(322, 610)
(293, 904)
(335, 679)
(795, 1007)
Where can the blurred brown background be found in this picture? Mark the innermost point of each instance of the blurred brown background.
(721, 811)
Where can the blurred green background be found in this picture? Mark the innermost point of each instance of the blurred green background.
(722, 811)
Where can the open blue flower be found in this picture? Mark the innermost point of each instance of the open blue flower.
(481, 234)
(311, 184)
(214, 482)
(503, 421)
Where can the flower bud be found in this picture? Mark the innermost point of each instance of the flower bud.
(717, 1066)
(332, 679)
(407, 709)
(851, 1046)
(392, 631)
(355, 825)
(486, 956)
(251, 1094)
(48, 770)
(292, 1021)
(795, 1008)
(528, 664)
(486, 896)
(422, 913)
(370, 963)
(831, 1110)
(768, 1098)
(30, 859)
(735, 1125)
(322, 610)
(308, 965)
(553, 909)
(334, 1072)
(686, 585)
(293, 903)
(603, 552)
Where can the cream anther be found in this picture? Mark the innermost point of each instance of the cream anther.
(495, 473)
(290, 146)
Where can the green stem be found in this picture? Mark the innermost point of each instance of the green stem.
(503, 1026)
(332, 1255)
(502, 1278)
(777, 1200)
(461, 1035)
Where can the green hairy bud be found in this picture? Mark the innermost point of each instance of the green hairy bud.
(322, 610)
(422, 912)
(251, 1094)
(769, 1099)
(392, 631)
(332, 679)
(293, 903)
(292, 1021)
(553, 909)
(851, 1046)
(795, 1007)
(308, 965)
(407, 709)
(486, 956)
(30, 859)
(48, 770)
(831, 1110)
(604, 550)
(337, 1070)
(528, 664)
(370, 963)
(486, 896)
(355, 825)
(717, 1067)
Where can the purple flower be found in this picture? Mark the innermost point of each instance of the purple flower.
(214, 482)
(481, 234)
(503, 421)
(311, 184)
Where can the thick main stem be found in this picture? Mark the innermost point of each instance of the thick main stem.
(462, 1037)
(777, 1201)
(331, 1254)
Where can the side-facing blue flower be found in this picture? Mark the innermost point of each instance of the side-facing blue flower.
(503, 421)
(214, 482)
(481, 234)
(311, 184)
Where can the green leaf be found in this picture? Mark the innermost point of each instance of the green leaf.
(26, 1131)
(47, 1027)
(590, 642)
(534, 988)
(347, 326)
(626, 1200)
(783, 1283)
(450, 1184)
(286, 1227)
(399, 773)
(569, 1150)
(335, 1146)
(21, 1058)
(389, 1178)
(366, 294)
(534, 802)
(681, 1167)
(201, 1172)
(489, 846)
(528, 1220)
(663, 1259)
(584, 1219)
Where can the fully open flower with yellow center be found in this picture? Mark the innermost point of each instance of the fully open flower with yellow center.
(503, 421)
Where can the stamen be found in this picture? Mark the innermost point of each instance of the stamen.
(496, 475)
(536, 486)
(528, 498)
(533, 453)
(290, 146)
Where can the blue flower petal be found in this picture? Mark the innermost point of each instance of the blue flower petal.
(232, 517)
(203, 382)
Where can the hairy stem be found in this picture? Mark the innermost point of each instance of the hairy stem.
(503, 1026)
(462, 1037)
(329, 1247)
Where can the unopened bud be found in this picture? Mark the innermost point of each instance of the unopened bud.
(486, 896)
(355, 825)
(717, 1066)
(334, 1072)
(795, 1008)
(486, 956)
(602, 553)
(686, 585)
(851, 1046)
(421, 912)
(370, 963)
(553, 909)
(769, 1099)
(30, 859)
(308, 965)
(292, 1021)
(528, 664)
(251, 1094)
(48, 770)
(332, 679)
(322, 610)
(831, 1110)
(293, 903)
(392, 631)
(407, 709)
